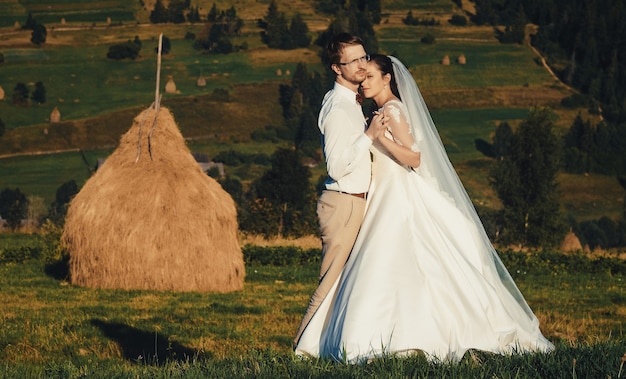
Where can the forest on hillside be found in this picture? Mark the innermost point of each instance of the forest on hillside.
(583, 42)
(585, 45)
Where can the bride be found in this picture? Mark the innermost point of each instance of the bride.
(422, 275)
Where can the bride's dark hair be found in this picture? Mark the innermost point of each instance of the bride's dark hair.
(386, 67)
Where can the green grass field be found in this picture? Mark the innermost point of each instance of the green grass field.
(53, 11)
(81, 82)
(53, 329)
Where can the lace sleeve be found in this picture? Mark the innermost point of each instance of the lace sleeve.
(399, 129)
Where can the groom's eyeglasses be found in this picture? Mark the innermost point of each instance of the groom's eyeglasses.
(365, 58)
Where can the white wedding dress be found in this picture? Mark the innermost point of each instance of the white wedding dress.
(418, 279)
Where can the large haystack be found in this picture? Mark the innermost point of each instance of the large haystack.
(149, 218)
(571, 243)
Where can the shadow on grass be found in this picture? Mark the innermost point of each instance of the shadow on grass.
(59, 270)
(141, 346)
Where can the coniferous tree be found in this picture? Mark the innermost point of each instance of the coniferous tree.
(39, 34)
(159, 14)
(281, 201)
(194, 15)
(330, 7)
(166, 46)
(525, 181)
(13, 207)
(39, 94)
(20, 94)
(300, 102)
(64, 194)
(502, 140)
(372, 8)
(299, 32)
(176, 11)
(276, 30)
(353, 22)
(515, 32)
(577, 143)
(30, 22)
(213, 14)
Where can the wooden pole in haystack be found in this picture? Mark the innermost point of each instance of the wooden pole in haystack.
(158, 73)
(158, 223)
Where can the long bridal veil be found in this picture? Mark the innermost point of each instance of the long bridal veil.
(437, 169)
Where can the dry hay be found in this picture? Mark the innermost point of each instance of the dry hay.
(201, 82)
(149, 218)
(571, 243)
(55, 115)
(445, 60)
(170, 86)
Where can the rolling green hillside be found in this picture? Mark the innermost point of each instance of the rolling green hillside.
(98, 97)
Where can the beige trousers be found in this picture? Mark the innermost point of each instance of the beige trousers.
(340, 217)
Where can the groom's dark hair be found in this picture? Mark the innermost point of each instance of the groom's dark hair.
(337, 43)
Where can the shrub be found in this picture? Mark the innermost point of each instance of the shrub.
(123, 51)
(458, 20)
(279, 255)
(576, 100)
(428, 39)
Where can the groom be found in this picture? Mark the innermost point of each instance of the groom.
(346, 143)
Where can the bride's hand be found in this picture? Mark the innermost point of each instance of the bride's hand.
(377, 126)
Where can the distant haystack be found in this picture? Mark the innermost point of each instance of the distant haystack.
(17, 25)
(1, 93)
(571, 243)
(149, 218)
(63, 21)
(446, 60)
(55, 116)
(279, 72)
(461, 59)
(201, 82)
(170, 86)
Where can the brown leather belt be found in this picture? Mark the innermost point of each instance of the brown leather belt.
(361, 195)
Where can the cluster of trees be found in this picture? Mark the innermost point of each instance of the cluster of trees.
(39, 32)
(125, 50)
(595, 148)
(282, 200)
(220, 27)
(21, 94)
(583, 43)
(174, 12)
(15, 205)
(526, 163)
(278, 33)
(412, 20)
(582, 40)
(371, 8)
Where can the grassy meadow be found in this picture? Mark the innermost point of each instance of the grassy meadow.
(98, 98)
(54, 329)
